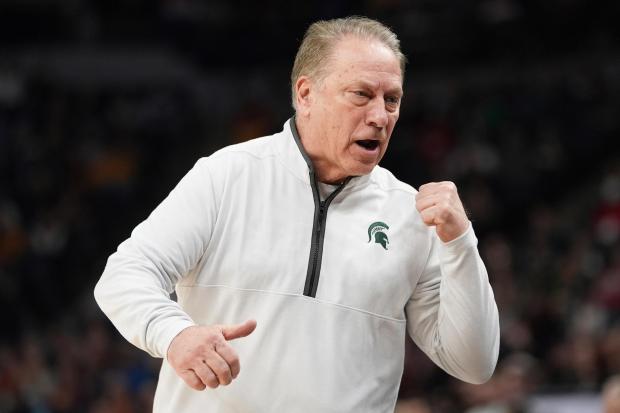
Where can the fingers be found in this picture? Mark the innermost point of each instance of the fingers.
(433, 187)
(202, 357)
(206, 374)
(436, 193)
(444, 200)
(234, 331)
(439, 205)
(211, 372)
(434, 215)
(443, 194)
(220, 367)
(230, 357)
(192, 380)
(216, 370)
(427, 201)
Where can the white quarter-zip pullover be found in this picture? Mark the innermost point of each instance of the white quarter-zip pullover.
(334, 284)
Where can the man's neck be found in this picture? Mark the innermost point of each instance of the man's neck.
(323, 171)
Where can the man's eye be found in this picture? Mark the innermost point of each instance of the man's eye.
(360, 93)
(392, 100)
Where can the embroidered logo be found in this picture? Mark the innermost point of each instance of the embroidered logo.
(376, 231)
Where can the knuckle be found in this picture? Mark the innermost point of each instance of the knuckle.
(221, 345)
(235, 367)
(220, 369)
(200, 352)
(212, 382)
(192, 381)
(234, 360)
(218, 341)
(211, 336)
(425, 187)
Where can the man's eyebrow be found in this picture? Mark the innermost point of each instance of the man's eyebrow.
(363, 83)
(397, 90)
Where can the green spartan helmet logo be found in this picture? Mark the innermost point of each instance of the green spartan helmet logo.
(376, 230)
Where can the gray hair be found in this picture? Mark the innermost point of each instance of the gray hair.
(321, 37)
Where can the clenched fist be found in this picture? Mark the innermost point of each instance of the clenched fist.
(440, 206)
(202, 357)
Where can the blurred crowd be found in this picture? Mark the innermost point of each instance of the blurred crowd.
(532, 148)
(538, 167)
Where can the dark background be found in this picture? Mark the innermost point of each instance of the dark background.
(104, 105)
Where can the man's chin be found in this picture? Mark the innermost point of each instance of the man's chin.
(362, 169)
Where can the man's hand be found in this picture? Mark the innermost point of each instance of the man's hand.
(202, 357)
(440, 206)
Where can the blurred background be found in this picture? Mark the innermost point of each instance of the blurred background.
(105, 104)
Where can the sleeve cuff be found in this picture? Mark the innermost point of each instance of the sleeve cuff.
(465, 240)
(168, 334)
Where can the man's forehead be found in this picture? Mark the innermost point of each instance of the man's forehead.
(356, 54)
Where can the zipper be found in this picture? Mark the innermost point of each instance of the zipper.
(320, 218)
(311, 277)
(318, 234)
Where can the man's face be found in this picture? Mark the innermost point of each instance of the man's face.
(352, 111)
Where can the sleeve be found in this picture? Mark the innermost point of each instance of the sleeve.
(452, 315)
(134, 290)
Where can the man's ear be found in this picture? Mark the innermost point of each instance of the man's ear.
(303, 95)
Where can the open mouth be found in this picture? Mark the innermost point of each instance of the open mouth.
(368, 144)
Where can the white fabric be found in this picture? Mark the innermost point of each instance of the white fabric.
(233, 238)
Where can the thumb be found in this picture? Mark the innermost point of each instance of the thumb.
(234, 331)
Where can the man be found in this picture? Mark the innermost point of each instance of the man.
(302, 234)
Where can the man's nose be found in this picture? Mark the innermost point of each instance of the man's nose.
(377, 115)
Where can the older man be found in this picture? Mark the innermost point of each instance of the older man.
(302, 233)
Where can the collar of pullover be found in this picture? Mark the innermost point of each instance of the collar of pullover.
(297, 160)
